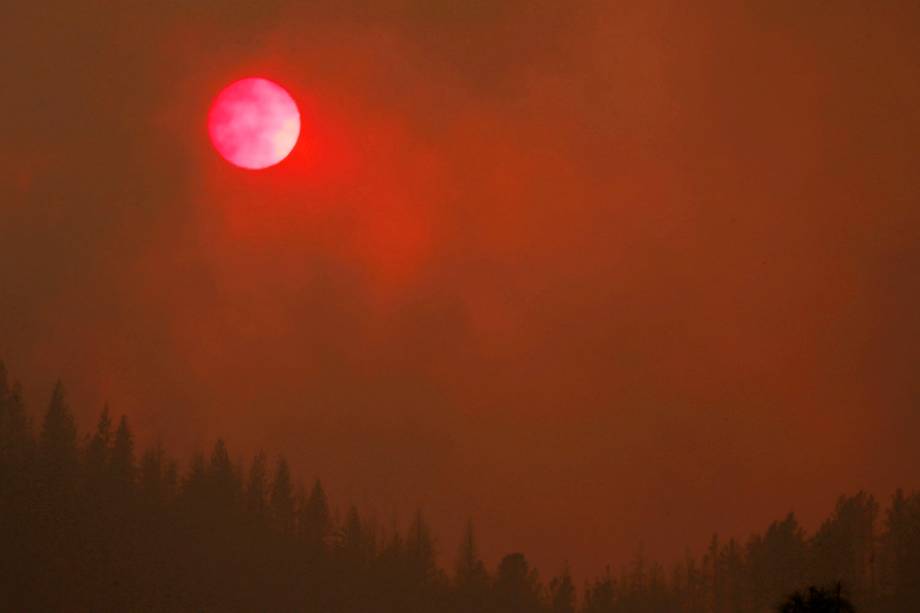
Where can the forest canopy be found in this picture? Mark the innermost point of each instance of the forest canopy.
(89, 522)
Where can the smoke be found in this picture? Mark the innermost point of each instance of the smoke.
(587, 276)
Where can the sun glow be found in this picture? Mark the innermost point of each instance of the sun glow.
(254, 123)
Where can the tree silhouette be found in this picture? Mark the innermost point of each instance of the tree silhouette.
(87, 526)
(58, 446)
(843, 549)
(281, 500)
(517, 585)
(817, 600)
(471, 579)
(314, 519)
(776, 560)
(899, 555)
(599, 595)
(420, 550)
(122, 466)
(257, 488)
(562, 593)
(97, 452)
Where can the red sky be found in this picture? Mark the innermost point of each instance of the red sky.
(620, 274)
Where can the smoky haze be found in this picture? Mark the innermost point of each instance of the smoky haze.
(596, 275)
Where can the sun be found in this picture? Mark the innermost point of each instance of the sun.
(254, 123)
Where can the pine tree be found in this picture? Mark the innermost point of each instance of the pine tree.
(599, 595)
(732, 564)
(98, 450)
(122, 467)
(154, 490)
(56, 518)
(776, 561)
(257, 487)
(844, 547)
(193, 491)
(714, 581)
(354, 543)
(470, 570)
(900, 553)
(314, 522)
(58, 447)
(420, 550)
(222, 485)
(17, 446)
(517, 585)
(281, 499)
(19, 532)
(562, 593)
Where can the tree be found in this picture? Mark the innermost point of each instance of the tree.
(471, 580)
(281, 500)
(155, 488)
(844, 546)
(221, 477)
(56, 520)
(314, 520)
(354, 546)
(122, 466)
(58, 442)
(900, 553)
(257, 487)
(776, 561)
(16, 442)
(18, 531)
(96, 462)
(599, 595)
(420, 549)
(469, 569)
(817, 600)
(562, 593)
(194, 483)
(517, 585)
(715, 576)
(732, 564)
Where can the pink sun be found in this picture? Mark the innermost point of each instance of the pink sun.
(254, 123)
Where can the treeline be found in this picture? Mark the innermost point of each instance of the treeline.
(91, 524)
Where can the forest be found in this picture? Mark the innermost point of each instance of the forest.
(88, 522)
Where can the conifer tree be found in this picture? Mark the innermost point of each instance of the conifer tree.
(420, 550)
(599, 595)
(315, 522)
(353, 544)
(58, 446)
(562, 593)
(221, 480)
(98, 451)
(517, 585)
(16, 442)
(152, 478)
(122, 466)
(900, 553)
(471, 580)
(281, 500)
(469, 569)
(257, 487)
(843, 548)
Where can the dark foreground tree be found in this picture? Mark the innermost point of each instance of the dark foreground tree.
(817, 600)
